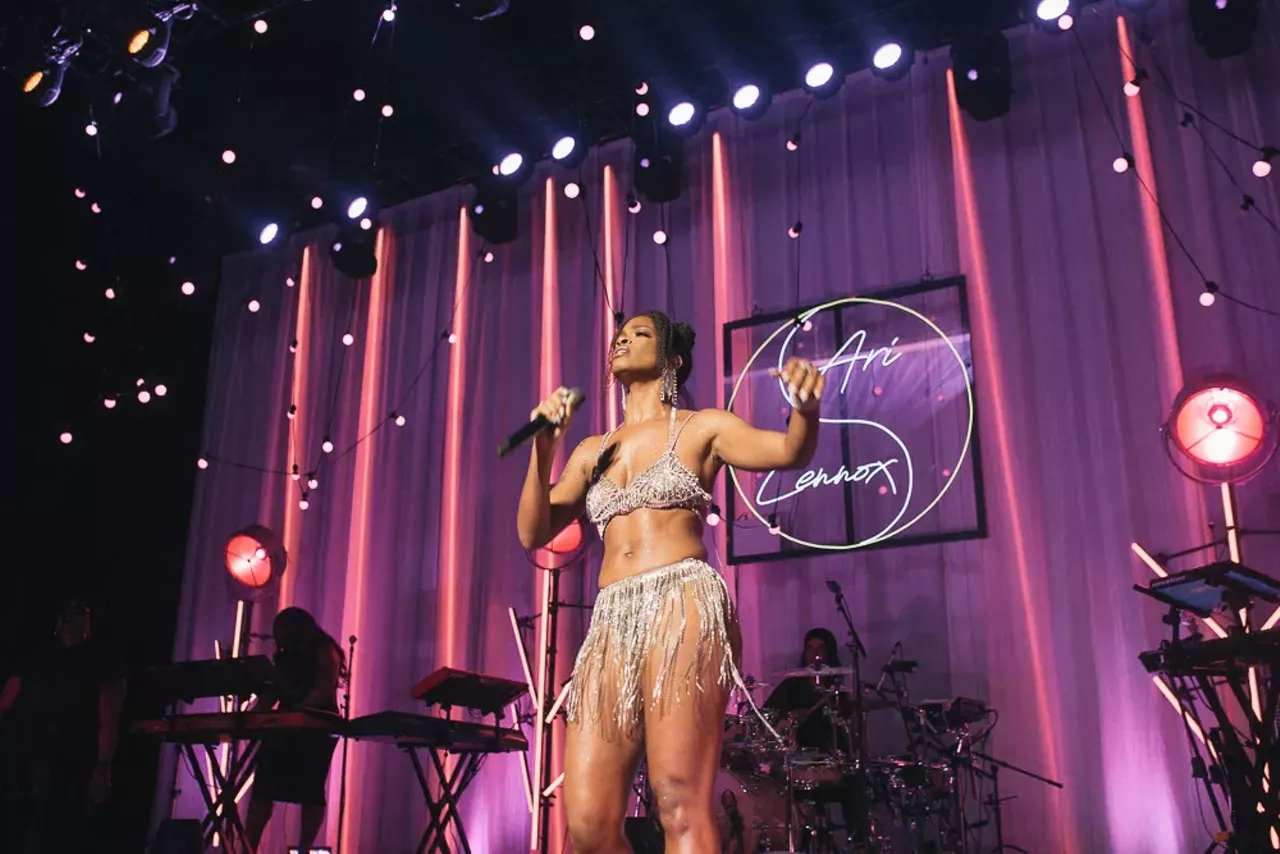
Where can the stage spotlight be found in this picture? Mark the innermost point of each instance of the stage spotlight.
(1054, 15)
(751, 100)
(1220, 430)
(822, 79)
(681, 114)
(510, 164)
(568, 152)
(892, 60)
(149, 43)
(1224, 28)
(44, 85)
(658, 168)
(255, 557)
(148, 109)
(358, 206)
(493, 212)
(269, 233)
(983, 75)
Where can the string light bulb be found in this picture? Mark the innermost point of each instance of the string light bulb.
(488, 257)
(253, 306)
(89, 338)
(327, 445)
(388, 111)
(316, 203)
(358, 94)
(259, 26)
(713, 516)
(289, 282)
(81, 266)
(96, 208)
(633, 203)
(188, 288)
(389, 13)
(1122, 163)
(348, 339)
(312, 483)
(660, 237)
(144, 396)
(293, 346)
(202, 463)
(572, 190)
(91, 129)
(643, 88)
(453, 338)
(109, 402)
(161, 390)
(586, 32)
(397, 419)
(1210, 294)
(793, 143)
(1262, 166)
(228, 157)
(303, 503)
(79, 193)
(66, 437)
(109, 293)
(794, 231)
(773, 524)
(642, 109)
(292, 413)
(294, 474)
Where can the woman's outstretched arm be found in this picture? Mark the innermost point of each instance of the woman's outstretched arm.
(737, 443)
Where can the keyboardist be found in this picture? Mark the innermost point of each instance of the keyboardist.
(293, 767)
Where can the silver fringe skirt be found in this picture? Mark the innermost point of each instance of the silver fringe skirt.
(637, 630)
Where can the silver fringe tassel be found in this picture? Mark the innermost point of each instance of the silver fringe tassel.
(641, 617)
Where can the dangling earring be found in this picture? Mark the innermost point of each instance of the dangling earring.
(669, 386)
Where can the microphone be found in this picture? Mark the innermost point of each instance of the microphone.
(833, 587)
(536, 426)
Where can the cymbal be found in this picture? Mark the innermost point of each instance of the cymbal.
(753, 684)
(814, 672)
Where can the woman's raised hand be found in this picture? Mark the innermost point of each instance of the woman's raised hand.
(804, 382)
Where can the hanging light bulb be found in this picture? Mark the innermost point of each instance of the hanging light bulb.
(303, 503)
(398, 419)
(144, 396)
(294, 474)
(259, 26)
(109, 402)
(202, 463)
(66, 437)
(713, 516)
(327, 445)
(660, 237)
(312, 483)
(89, 338)
(109, 293)
(1210, 294)
(348, 339)
(161, 390)
(188, 288)
(253, 306)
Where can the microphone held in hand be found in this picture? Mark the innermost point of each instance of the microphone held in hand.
(536, 426)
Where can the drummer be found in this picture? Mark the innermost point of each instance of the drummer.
(805, 699)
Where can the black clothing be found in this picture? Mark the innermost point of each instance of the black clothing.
(294, 767)
(49, 749)
(55, 716)
(797, 694)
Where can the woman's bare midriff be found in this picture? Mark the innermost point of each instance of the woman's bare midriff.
(649, 539)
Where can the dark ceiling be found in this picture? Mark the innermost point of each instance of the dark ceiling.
(462, 89)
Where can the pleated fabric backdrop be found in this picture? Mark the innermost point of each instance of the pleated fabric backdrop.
(1085, 323)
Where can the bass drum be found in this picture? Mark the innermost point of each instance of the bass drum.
(751, 812)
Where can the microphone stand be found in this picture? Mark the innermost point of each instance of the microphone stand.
(856, 652)
(346, 716)
(994, 774)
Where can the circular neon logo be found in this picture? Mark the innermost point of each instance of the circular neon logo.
(887, 383)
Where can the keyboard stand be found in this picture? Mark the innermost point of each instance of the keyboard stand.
(222, 819)
(442, 810)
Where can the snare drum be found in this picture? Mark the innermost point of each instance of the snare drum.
(912, 787)
(813, 770)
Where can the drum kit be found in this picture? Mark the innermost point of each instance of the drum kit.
(776, 793)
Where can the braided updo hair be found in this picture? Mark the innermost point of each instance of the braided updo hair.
(674, 339)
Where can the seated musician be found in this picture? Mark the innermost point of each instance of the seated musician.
(293, 767)
(801, 699)
(61, 717)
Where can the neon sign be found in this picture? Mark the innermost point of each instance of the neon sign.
(901, 415)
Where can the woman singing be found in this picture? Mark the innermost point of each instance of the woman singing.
(656, 667)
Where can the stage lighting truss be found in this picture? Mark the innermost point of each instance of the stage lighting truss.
(1220, 430)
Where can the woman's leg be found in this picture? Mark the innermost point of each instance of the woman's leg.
(682, 737)
(598, 772)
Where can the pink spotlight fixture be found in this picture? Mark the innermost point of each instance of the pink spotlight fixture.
(1222, 428)
(255, 556)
